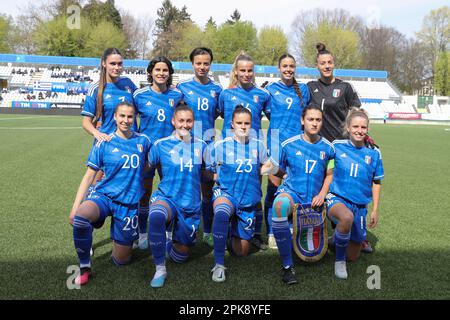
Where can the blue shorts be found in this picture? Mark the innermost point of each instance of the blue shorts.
(359, 231)
(243, 218)
(184, 226)
(124, 222)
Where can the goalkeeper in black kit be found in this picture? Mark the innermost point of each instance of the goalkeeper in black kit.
(335, 97)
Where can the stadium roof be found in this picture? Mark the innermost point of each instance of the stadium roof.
(217, 67)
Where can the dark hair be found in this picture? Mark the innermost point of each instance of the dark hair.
(182, 106)
(240, 109)
(322, 49)
(125, 103)
(199, 51)
(102, 81)
(295, 83)
(152, 64)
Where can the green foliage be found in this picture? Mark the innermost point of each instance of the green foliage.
(231, 39)
(342, 43)
(108, 35)
(235, 17)
(97, 11)
(442, 74)
(55, 38)
(5, 32)
(272, 43)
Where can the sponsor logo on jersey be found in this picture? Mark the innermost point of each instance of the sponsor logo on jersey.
(108, 96)
(299, 153)
(191, 92)
(336, 93)
(115, 150)
(233, 98)
(277, 93)
(322, 155)
(317, 90)
(344, 155)
(368, 159)
(140, 147)
(213, 93)
(148, 103)
(256, 98)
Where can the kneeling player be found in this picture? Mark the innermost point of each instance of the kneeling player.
(176, 205)
(306, 159)
(123, 160)
(356, 181)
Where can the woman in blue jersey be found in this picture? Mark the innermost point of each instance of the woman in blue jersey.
(123, 159)
(155, 104)
(201, 94)
(304, 163)
(103, 97)
(176, 205)
(288, 99)
(243, 91)
(356, 182)
(237, 161)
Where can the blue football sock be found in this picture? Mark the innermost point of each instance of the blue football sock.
(157, 233)
(82, 238)
(207, 214)
(341, 241)
(222, 214)
(283, 236)
(142, 218)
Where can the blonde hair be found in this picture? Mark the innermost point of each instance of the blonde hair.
(353, 113)
(233, 77)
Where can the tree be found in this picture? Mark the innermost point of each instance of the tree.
(211, 24)
(442, 74)
(312, 19)
(97, 11)
(108, 35)
(137, 31)
(272, 43)
(5, 33)
(235, 17)
(435, 34)
(231, 39)
(411, 67)
(342, 43)
(54, 38)
(184, 36)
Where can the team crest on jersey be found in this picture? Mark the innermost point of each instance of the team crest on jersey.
(322, 155)
(310, 238)
(336, 93)
(140, 147)
(197, 152)
(256, 99)
(172, 102)
(255, 153)
(213, 93)
(368, 159)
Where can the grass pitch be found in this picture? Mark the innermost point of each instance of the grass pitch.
(43, 160)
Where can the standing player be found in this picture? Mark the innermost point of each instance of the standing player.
(201, 94)
(288, 99)
(243, 91)
(123, 159)
(176, 205)
(155, 104)
(237, 161)
(356, 182)
(306, 159)
(335, 97)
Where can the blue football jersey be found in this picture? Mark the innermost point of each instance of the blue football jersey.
(285, 111)
(156, 111)
(354, 171)
(123, 162)
(203, 99)
(113, 94)
(305, 164)
(238, 169)
(181, 165)
(255, 99)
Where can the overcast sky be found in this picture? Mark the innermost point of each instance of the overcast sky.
(404, 15)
